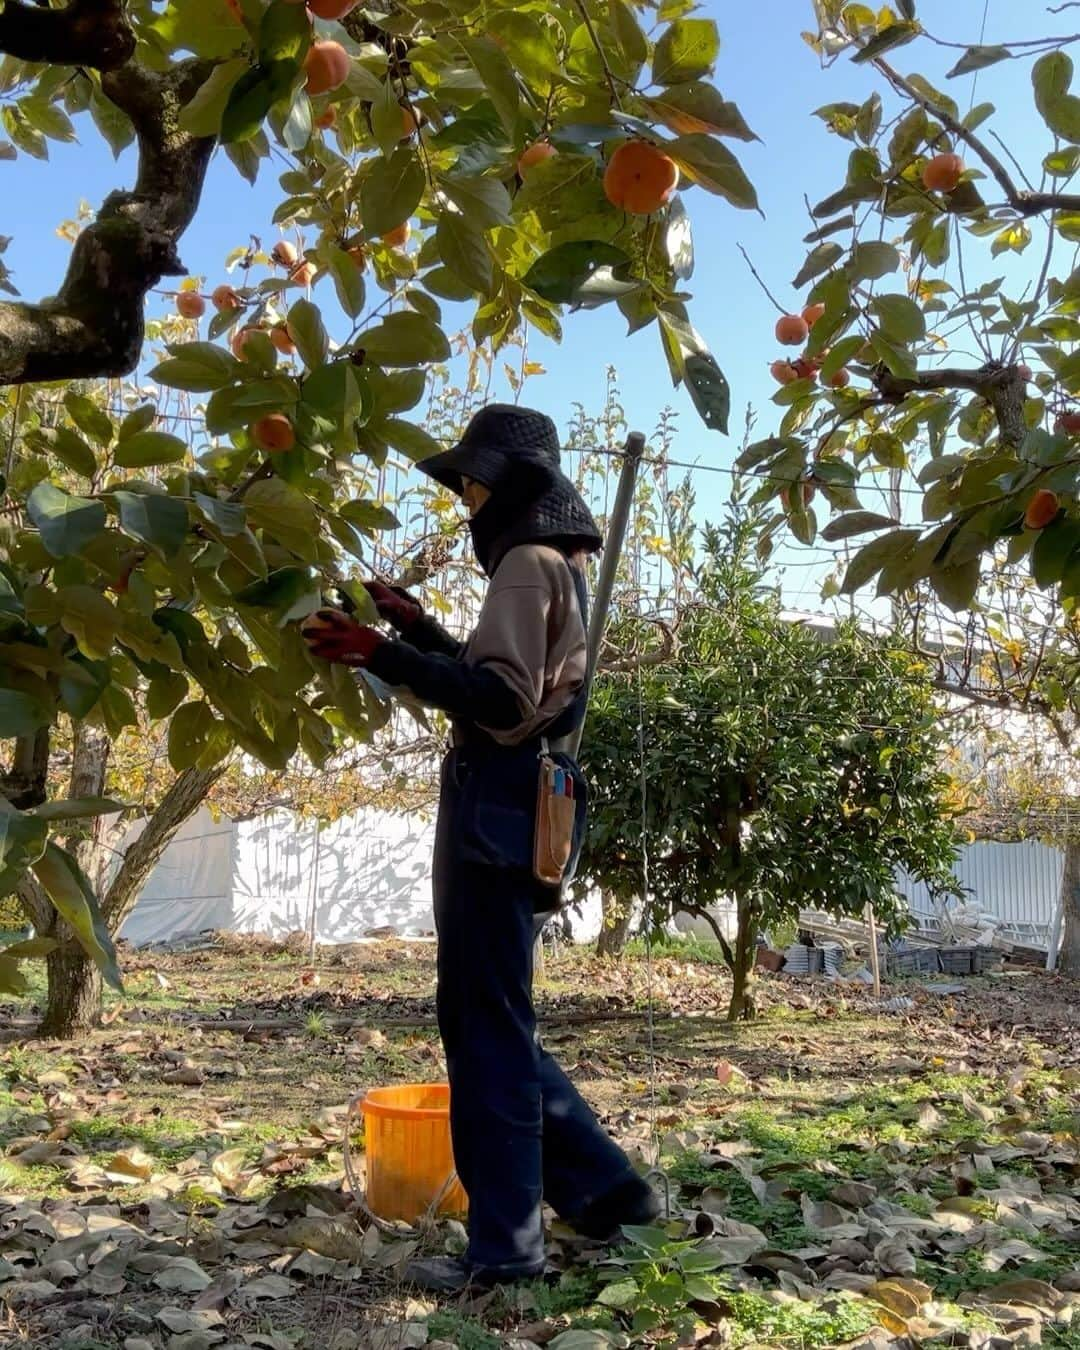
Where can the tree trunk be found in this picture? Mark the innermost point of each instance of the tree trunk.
(742, 1007)
(1069, 958)
(615, 929)
(74, 1001)
(74, 997)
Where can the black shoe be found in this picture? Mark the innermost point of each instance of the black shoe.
(452, 1275)
(632, 1201)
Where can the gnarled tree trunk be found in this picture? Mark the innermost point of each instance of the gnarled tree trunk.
(618, 916)
(1069, 958)
(73, 1003)
(742, 1007)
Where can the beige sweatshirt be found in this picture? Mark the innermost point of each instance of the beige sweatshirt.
(531, 633)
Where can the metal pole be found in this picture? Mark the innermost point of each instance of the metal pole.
(620, 518)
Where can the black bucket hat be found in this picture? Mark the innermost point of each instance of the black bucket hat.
(497, 438)
(514, 452)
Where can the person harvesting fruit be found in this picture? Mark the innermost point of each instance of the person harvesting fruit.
(521, 1131)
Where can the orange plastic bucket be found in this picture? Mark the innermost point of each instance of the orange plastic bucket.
(410, 1160)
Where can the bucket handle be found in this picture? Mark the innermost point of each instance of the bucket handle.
(384, 1225)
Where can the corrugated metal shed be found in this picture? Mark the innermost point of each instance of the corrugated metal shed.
(1017, 883)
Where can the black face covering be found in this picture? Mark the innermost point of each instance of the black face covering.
(532, 505)
(511, 498)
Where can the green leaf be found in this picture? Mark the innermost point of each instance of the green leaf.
(407, 437)
(840, 353)
(872, 557)
(348, 281)
(464, 249)
(391, 191)
(1051, 78)
(529, 45)
(978, 58)
(202, 114)
(137, 420)
(900, 318)
(32, 949)
(307, 331)
(22, 839)
(77, 808)
(21, 714)
(281, 590)
(285, 513)
(115, 126)
(156, 519)
(208, 28)
(820, 260)
(252, 97)
(896, 35)
(405, 339)
(89, 418)
(71, 450)
(386, 119)
(149, 447)
(955, 587)
(559, 274)
(485, 201)
(285, 33)
(64, 884)
(1052, 550)
(371, 515)
(696, 106)
(494, 67)
(189, 733)
(164, 694)
(66, 523)
(621, 1294)
(873, 260)
(686, 50)
(712, 166)
(856, 522)
(709, 390)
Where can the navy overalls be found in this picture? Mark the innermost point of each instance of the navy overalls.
(521, 1131)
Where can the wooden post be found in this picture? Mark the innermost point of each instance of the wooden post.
(875, 961)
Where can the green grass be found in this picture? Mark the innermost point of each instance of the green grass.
(688, 948)
(757, 1319)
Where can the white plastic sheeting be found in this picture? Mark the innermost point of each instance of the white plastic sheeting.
(372, 870)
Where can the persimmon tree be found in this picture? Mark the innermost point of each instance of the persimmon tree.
(938, 242)
(783, 768)
(942, 241)
(450, 154)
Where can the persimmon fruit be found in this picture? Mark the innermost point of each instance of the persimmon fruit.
(284, 253)
(640, 178)
(942, 173)
(304, 274)
(534, 154)
(274, 433)
(792, 330)
(1042, 509)
(398, 237)
(190, 305)
(327, 119)
(238, 342)
(812, 313)
(282, 339)
(225, 299)
(783, 372)
(327, 66)
(840, 379)
(331, 9)
(1068, 424)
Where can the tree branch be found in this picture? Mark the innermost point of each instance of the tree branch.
(94, 326)
(93, 33)
(1003, 387)
(1023, 201)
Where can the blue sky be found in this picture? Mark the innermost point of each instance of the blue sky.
(769, 71)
